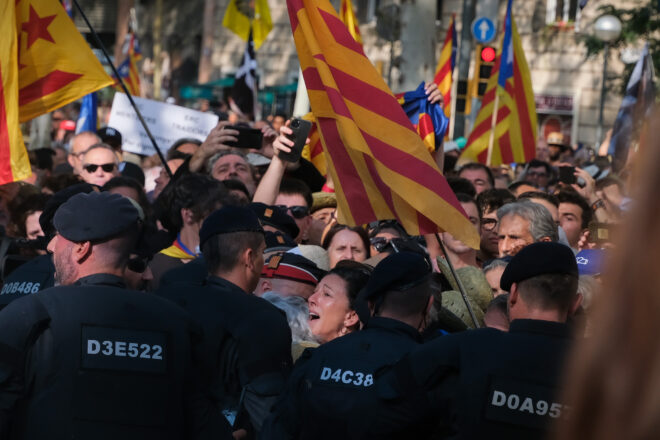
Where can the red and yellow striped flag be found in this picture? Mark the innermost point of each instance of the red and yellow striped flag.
(128, 70)
(14, 162)
(379, 164)
(446, 64)
(349, 18)
(56, 65)
(515, 127)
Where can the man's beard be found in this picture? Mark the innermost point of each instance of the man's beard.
(64, 270)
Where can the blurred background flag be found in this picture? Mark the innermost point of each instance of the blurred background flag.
(379, 165)
(506, 126)
(428, 119)
(128, 69)
(243, 96)
(637, 105)
(87, 120)
(350, 20)
(14, 162)
(446, 64)
(243, 16)
(56, 65)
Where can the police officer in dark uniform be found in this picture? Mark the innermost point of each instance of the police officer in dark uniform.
(90, 359)
(39, 273)
(486, 383)
(247, 339)
(331, 393)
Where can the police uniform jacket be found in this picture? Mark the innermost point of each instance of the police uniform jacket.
(478, 384)
(331, 393)
(31, 277)
(247, 341)
(94, 360)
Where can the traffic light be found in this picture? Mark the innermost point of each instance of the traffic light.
(483, 68)
(463, 98)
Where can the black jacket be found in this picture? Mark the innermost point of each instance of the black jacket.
(94, 360)
(31, 277)
(332, 391)
(477, 384)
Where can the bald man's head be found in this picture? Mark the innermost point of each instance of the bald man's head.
(80, 143)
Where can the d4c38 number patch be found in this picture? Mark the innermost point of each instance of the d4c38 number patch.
(105, 348)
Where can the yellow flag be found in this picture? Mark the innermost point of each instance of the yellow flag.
(237, 19)
(56, 65)
(347, 15)
(14, 163)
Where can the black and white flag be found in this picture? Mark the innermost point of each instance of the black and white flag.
(243, 97)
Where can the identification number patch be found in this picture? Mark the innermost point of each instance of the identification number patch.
(346, 377)
(20, 287)
(526, 404)
(120, 349)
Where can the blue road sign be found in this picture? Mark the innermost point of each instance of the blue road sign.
(483, 30)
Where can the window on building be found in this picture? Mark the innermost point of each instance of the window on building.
(566, 11)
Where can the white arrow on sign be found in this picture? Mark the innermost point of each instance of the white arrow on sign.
(484, 28)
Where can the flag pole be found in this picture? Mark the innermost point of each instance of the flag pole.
(493, 124)
(123, 86)
(459, 283)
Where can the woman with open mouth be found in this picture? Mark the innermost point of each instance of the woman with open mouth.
(332, 305)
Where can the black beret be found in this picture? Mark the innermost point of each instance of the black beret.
(276, 241)
(276, 218)
(539, 259)
(293, 267)
(110, 136)
(129, 169)
(227, 220)
(399, 271)
(95, 216)
(46, 217)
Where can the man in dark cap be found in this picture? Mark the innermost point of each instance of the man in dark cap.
(39, 273)
(289, 274)
(275, 219)
(331, 392)
(91, 359)
(486, 383)
(247, 339)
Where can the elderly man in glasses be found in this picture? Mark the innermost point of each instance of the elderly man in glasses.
(99, 164)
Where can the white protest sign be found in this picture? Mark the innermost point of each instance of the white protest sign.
(167, 123)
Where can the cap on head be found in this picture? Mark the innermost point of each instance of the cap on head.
(229, 219)
(399, 271)
(110, 136)
(46, 217)
(276, 218)
(555, 138)
(95, 216)
(276, 241)
(539, 259)
(292, 267)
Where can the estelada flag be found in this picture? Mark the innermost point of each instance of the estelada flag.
(380, 166)
(238, 19)
(14, 162)
(428, 119)
(446, 64)
(515, 125)
(56, 65)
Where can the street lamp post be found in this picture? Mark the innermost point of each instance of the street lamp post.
(607, 29)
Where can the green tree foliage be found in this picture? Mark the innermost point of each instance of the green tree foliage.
(640, 23)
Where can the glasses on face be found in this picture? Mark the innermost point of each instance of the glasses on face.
(488, 224)
(107, 167)
(379, 243)
(296, 211)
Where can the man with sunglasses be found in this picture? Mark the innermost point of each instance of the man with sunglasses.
(89, 356)
(99, 164)
(80, 143)
(296, 199)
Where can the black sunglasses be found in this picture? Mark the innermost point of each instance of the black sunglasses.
(296, 211)
(107, 167)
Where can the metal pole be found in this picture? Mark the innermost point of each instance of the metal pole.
(461, 289)
(603, 94)
(464, 58)
(123, 86)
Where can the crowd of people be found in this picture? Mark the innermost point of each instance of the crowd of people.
(217, 295)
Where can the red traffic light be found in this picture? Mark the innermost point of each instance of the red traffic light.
(487, 54)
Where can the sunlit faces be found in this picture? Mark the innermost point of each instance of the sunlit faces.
(291, 200)
(98, 166)
(570, 219)
(330, 315)
(232, 166)
(346, 245)
(513, 235)
(478, 178)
